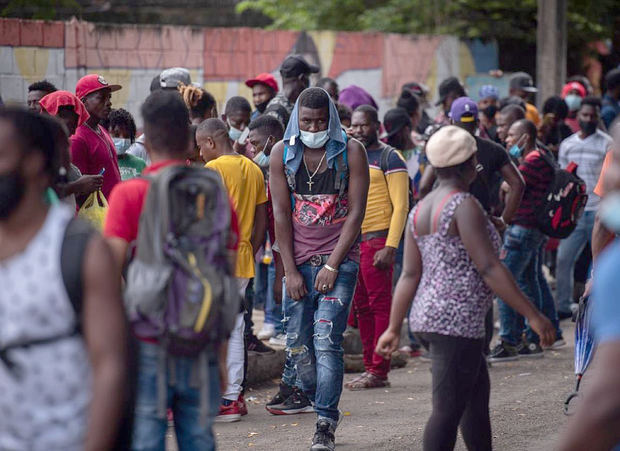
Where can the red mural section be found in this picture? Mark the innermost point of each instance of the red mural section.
(132, 47)
(406, 58)
(356, 51)
(227, 54)
(240, 53)
(32, 33)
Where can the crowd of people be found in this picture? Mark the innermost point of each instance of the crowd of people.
(334, 217)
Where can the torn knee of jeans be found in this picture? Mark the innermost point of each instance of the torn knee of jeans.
(297, 350)
(333, 300)
(323, 329)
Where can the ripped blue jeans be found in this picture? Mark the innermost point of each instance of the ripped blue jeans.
(314, 326)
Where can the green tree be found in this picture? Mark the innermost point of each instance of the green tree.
(491, 19)
(39, 9)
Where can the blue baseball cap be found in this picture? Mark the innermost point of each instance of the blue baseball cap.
(464, 109)
(487, 91)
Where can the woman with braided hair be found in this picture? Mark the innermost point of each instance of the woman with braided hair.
(200, 103)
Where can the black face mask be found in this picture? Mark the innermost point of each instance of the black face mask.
(490, 111)
(588, 127)
(12, 188)
(261, 107)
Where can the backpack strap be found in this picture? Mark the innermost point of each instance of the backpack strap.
(386, 153)
(77, 236)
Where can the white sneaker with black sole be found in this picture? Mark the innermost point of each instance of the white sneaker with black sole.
(278, 340)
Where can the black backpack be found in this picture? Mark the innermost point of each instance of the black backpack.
(564, 201)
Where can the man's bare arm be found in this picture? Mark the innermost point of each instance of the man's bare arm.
(105, 335)
(359, 179)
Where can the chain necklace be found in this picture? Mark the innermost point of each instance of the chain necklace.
(97, 132)
(310, 177)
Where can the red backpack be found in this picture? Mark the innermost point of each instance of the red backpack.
(564, 201)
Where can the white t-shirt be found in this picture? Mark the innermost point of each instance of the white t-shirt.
(589, 155)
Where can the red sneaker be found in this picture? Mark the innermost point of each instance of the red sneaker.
(229, 412)
(243, 407)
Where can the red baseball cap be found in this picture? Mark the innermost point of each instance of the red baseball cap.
(574, 86)
(91, 83)
(265, 79)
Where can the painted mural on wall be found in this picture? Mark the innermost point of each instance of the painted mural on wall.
(221, 58)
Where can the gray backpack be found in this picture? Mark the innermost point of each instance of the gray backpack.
(180, 280)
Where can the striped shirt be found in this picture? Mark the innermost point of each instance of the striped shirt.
(589, 155)
(537, 175)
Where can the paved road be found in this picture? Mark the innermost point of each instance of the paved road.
(526, 410)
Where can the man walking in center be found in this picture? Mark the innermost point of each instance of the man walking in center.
(587, 148)
(319, 184)
(386, 213)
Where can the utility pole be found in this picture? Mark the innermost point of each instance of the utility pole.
(550, 48)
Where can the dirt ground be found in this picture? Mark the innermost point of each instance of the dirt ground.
(526, 410)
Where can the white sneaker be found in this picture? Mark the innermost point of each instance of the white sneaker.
(559, 343)
(278, 340)
(268, 331)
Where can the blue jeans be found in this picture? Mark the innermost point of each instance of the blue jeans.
(182, 396)
(314, 327)
(568, 252)
(523, 258)
(273, 311)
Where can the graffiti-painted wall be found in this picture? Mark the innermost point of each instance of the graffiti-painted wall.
(222, 58)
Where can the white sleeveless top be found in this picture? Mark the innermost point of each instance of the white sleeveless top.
(44, 400)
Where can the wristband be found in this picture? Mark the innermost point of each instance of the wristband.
(330, 269)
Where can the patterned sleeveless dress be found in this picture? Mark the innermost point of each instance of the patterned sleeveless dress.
(452, 298)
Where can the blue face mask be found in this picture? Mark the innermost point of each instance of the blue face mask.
(262, 160)
(609, 212)
(314, 140)
(234, 133)
(573, 101)
(516, 151)
(121, 145)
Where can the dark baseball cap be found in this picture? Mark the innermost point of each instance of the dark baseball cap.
(450, 84)
(296, 65)
(395, 120)
(522, 81)
(418, 89)
(464, 109)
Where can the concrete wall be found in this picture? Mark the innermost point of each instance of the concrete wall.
(219, 58)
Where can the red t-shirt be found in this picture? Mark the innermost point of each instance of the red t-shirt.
(537, 175)
(127, 200)
(92, 152)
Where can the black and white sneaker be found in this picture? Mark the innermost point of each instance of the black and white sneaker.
(284, 392)
(503, 352)
(324, 439)
(530, 351)
(296, 403)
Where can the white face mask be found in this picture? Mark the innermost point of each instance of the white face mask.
(121, 145)
(314, 140)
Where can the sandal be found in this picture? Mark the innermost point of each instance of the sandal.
(367, 380)
(355, 380)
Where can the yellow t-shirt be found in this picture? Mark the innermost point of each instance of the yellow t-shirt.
(246, 188)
